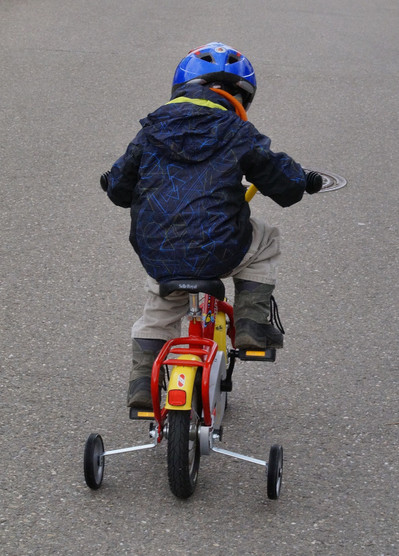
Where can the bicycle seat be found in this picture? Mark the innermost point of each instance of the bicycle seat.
(213, 287)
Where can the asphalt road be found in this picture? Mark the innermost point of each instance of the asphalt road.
(76, 77)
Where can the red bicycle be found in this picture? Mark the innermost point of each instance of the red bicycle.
(189, 403)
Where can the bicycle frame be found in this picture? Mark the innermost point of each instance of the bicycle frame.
(206, 336)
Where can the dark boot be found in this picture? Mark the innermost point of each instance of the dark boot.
(252, 316)
(144, 354)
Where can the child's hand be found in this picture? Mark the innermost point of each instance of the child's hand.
(314, 182)
(104, 181)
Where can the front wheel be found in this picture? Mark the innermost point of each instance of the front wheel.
(275, 472)
(184, 447)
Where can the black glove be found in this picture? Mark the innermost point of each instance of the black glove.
(104, 181)
(314, 182)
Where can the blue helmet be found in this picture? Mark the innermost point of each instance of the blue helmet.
(218, 64)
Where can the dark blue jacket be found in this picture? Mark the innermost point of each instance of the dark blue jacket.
(182, 176)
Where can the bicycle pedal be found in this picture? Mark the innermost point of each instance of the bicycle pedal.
(269, 354)
(140, 414)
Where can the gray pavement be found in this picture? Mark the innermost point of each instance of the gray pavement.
(75, 79)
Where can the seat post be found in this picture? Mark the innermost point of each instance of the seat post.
(194, 315)
(194, 307)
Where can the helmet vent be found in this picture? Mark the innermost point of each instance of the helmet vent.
(207, 58)
(232, 59)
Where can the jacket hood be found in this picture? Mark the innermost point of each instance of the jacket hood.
(188, 131)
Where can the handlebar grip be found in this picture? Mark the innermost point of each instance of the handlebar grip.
(104, 181)
(314, 182)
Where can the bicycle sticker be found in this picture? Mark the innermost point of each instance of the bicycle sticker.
(181, 381)
(209, 318)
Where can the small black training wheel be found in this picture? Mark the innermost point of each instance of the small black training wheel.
(275, 471)
(94, 461)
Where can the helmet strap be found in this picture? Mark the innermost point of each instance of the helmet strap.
(238, 107)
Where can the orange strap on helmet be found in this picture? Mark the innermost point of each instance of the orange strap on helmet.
(240, 110)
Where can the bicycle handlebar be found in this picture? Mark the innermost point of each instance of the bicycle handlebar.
(250, 193)
(314, 183)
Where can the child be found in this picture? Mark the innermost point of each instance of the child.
(181, 177)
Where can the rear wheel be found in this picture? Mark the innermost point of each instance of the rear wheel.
(184, 447)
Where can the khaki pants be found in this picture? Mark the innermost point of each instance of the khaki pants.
(162, 316)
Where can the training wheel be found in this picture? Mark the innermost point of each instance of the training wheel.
(94, 461)
(275, 471)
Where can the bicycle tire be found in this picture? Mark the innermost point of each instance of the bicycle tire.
(275, 472)
(93, 461)
(184, 447)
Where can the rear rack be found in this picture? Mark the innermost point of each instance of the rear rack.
(204, 348)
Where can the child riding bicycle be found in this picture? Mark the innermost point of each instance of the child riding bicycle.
(181, 177)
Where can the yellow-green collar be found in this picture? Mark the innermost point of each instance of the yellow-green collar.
(198, 102)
